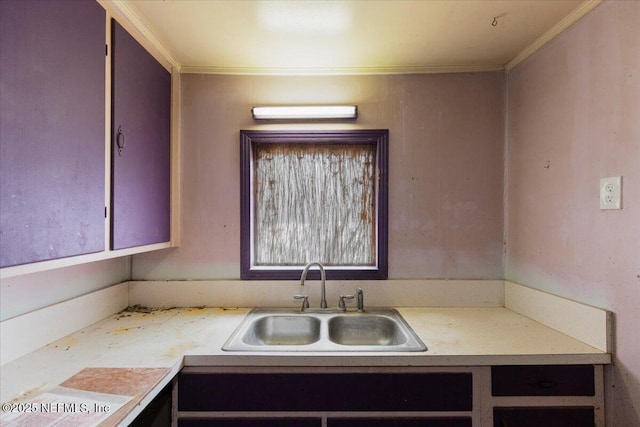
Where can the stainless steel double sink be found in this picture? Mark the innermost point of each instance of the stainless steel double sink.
(268, 329)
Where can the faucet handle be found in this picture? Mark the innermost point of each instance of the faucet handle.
(341, 303)
(360, 300)
(305, 301)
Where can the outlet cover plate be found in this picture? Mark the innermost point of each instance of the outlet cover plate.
(611, 193)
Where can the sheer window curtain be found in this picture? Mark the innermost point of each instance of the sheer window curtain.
(314, 203)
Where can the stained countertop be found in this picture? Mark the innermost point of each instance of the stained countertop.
(173, 338)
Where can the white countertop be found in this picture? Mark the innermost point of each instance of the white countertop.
(179, 337)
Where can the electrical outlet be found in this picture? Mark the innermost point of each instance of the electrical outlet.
(611, 193)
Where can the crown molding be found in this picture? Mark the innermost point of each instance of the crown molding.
(344, 71)
(132, 15)
(577, 14)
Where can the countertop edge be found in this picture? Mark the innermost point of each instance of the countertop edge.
(313, 360)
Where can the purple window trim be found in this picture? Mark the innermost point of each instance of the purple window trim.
(379, 137)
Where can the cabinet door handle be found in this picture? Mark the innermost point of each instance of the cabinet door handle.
(121, 140)
(546, 384)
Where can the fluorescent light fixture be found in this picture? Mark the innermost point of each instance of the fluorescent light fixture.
(305, 112)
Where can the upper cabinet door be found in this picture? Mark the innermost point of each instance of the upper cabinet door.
(52, 124)
(140, 144)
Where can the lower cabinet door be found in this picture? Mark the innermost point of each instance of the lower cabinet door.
(158, 412)
(545, 380)
(399, 422)
(308, 392)
(250, 422)
(543, 416)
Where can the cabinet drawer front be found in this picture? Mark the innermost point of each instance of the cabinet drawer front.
(551, 380)
(250, 422)
(399, 422)
(543, 416)
(325, 392)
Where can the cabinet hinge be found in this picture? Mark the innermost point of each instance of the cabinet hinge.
(106, 50)
(105, 211)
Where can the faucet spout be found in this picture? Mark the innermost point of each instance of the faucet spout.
(323, 294)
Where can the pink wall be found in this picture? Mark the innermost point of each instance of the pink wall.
(446, 168)
(573, 118)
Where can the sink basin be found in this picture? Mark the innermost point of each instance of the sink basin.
(365, 330)
(285, 330)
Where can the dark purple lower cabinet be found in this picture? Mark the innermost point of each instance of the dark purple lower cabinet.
(543, 380)
(399, 422)
(141, 148)
(52, 130)
(343, 399)
(543, 417)
(250, 422)
(331, 422)
(209, 396)
(325, 392)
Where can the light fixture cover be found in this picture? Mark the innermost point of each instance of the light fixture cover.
(305, 112)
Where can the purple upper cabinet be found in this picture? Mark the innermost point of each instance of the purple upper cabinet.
(52, 119)
(140, 145)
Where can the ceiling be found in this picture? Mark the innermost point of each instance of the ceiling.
(351, 36)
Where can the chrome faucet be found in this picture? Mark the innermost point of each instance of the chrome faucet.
(323, 295)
